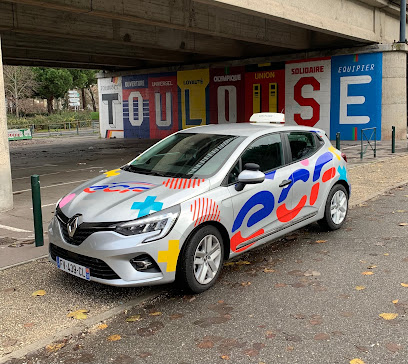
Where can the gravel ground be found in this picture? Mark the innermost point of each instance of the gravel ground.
(368, 180)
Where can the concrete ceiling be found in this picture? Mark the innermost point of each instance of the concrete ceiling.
(119, 35)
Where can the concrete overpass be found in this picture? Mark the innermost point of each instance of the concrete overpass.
(124, 36)
(144, 34)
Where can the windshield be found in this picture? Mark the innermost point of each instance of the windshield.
(186, 155)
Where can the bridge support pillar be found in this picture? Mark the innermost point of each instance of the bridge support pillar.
(394, 95)
(6, 192)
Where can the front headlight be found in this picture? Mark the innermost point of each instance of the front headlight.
(153, 227)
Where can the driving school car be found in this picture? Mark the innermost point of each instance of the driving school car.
(197, 198)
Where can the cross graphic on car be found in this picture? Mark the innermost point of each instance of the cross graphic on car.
(148, 205)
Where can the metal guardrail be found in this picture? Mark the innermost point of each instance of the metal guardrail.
(369, 141)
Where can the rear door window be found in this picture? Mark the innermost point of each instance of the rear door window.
(302, 144)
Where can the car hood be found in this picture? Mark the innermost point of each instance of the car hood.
(120, 195)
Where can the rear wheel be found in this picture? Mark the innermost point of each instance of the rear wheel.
(201, 260)
(336, 208)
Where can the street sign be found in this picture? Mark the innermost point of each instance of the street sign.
(73, 99)
(19, 134)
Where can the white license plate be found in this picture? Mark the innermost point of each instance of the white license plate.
(74, 269)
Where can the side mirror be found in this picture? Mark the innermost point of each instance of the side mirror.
(249, 176)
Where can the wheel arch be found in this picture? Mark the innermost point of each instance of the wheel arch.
(344, 184)
(223, 231)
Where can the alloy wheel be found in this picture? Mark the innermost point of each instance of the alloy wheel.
(207, 259)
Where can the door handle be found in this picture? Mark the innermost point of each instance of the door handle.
(285, 182)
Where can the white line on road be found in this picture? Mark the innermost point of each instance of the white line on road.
(58, 184)
(49, 174)
(14, 229)
(50, 204)
(45, 165)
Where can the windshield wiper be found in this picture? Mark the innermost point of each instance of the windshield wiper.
(132, 168)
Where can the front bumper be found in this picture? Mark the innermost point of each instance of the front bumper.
(108, 256)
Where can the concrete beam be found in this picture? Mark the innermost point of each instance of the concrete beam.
(54, 23)
(349, 19)
(6, 192)
(185, 15)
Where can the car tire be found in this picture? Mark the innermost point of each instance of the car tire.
(201, 260)
(336, 208)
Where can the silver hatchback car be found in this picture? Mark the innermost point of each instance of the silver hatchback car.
(197, 198)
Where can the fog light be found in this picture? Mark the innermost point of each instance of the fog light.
(144, 263)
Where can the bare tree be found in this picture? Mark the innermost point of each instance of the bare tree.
(19, 83)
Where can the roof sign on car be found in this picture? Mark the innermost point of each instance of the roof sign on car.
(268, 118)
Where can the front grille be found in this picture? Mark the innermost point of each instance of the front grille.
(82, 232)
(99, 269)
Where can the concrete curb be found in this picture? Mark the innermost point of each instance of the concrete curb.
(80, 327)
(25, 262)
(379, 193)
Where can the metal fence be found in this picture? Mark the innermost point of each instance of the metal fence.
(67, 128)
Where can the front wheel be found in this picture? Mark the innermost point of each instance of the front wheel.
(336, 208)
(201, 260)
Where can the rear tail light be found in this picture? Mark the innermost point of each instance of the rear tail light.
(344, 156)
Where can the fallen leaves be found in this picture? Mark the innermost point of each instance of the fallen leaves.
(311, 273)
(393, 347)
(52, 348)
(269, 270)
(321, 241)
(40, 292)
(359, 288)
(205, 344)
(133, 318)
(404, 285)
(78, 314)
(395, 301)
(155, 313)
(239, 262)
(245, 284)
(322, 336)
(225, 357)
(102, 326)
(114, 338)
(403, 224)
(356, 361)
(388, 316)
(367, 273)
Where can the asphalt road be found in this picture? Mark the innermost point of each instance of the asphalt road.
(312, 297)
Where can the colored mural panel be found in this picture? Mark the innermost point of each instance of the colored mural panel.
(356, 95)
(136, 106)
(227, 95)
(110, 107)
(193, 88)
(163, 105)
(264, 92)
(308, 85)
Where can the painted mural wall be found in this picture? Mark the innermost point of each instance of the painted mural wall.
(337, 94)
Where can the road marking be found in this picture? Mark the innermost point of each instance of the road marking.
(14, 229)
(49, 174)
(45, 165)
(58, 184)
(50, 204)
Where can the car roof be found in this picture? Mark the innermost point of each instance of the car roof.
(245, 129)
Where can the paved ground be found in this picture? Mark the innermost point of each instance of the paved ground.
(62, 163)
(312, 297)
